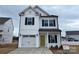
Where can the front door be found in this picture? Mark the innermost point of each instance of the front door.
(42, 40)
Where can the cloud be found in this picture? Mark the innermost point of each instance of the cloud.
(68, 15)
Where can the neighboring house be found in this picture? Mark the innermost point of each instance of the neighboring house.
(72, 34)
(38, 28)
(6, 30)
(72, 38)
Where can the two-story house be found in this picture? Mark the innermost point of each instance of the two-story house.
(38, 29)
(6, 30)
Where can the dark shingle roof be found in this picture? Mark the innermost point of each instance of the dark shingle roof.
(3, 20)
(50, 16)
(50, 30)
(72, 32)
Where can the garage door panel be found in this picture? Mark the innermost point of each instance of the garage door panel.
(29, 42)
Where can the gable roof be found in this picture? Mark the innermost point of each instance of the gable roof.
(29, 7)
(72, 32)
(3, 20)
(41, 9)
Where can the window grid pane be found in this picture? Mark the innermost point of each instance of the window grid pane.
(44, 22)
(51, 22)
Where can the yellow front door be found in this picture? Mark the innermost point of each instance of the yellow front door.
(42, 40)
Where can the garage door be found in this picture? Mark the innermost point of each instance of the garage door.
(29, 41)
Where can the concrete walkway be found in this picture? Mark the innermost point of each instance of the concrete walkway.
(31, 51)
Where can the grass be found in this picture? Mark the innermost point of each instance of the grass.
(6, 48)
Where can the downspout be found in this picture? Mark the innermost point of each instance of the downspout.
(19, 25)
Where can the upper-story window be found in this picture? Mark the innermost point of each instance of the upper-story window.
(29, 21)
(44, 22)
(51, 22)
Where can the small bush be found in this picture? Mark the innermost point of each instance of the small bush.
(61, 47)
(56, 47)
(51, 47)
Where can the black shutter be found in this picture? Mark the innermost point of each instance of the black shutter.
(54, 22)
(49, 38)
(26, 21)
(55, 38)
(42, 22)
(33, 21)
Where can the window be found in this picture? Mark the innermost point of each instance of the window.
(52, 39)
(29, 21)
(44, 22)
(0, 36)
(8, 30)
(51, 22)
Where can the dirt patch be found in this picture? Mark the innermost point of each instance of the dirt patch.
(6, 48)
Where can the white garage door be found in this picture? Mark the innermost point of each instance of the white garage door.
(29, 41)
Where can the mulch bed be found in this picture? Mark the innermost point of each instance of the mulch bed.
(57, 50)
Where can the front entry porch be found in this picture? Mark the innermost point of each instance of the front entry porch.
(48, 39)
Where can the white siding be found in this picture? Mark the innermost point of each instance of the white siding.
(29, 29)
(1, 27)
(8, 36)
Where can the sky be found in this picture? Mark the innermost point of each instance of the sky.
(68, 15)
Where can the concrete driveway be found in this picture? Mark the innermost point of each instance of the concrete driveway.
(31, 51)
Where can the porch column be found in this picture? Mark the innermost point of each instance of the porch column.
(58, 40)
(20, 41)
(37, 40)
(47, 45)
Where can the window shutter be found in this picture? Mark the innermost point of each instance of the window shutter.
(26, 21)
(33, 21)
(54, 22)
(55, 38)
(42, 22)
(49, 38)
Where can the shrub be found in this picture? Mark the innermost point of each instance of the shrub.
(51, 47)
(56, 46)
(61, 47)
